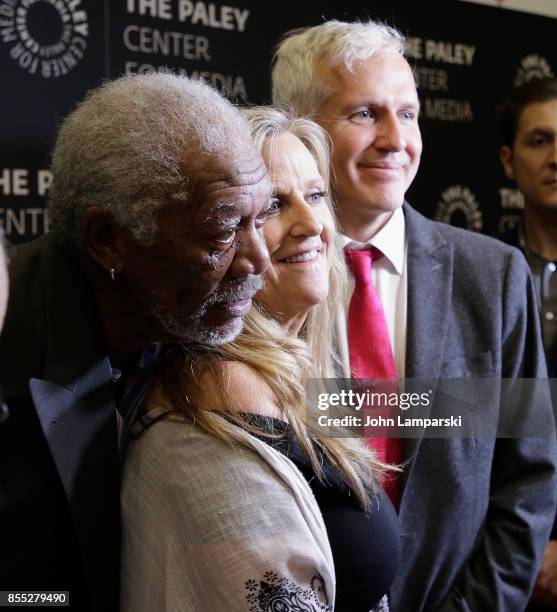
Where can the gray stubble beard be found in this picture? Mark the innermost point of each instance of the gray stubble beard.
(190, 327)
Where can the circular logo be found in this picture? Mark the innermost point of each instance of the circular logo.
(532, 67)
(47, 38)
(458, 206)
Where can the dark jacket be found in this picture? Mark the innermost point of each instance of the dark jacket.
(475, 513)
(59, 468)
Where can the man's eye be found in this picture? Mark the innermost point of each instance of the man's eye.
(539, 141)
(361, 115)
(274, 207)
(316, 197)
(408, 115)
(226, 237)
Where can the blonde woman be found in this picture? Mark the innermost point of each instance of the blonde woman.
(229, 503)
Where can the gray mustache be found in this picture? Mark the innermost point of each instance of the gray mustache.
(242, 290)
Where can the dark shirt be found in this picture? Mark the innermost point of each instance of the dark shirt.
(544, 273)
(365, 547)
(545, 280)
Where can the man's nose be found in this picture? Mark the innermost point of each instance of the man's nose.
(252, 256)
(553, 158)
(389, 135)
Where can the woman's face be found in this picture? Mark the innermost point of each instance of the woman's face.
(299, 233)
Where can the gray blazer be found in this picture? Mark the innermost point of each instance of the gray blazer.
(475, 513)
(59, 467)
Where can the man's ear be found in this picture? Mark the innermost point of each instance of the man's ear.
(101, 238)
(506, 157)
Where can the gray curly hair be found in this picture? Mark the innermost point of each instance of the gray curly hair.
(125, 149)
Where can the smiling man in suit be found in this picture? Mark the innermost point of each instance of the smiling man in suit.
(156, 208)
(475, 513)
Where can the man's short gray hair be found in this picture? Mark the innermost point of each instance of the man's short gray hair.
(126, 149)
(297, 56)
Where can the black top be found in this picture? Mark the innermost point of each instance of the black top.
(544, 273)
(365, 547)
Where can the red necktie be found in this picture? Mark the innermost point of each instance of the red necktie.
(371, 355)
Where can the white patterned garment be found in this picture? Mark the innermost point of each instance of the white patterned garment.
(382, 606)
(209, 526)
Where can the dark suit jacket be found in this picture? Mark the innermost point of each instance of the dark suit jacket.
(59, 468)
(475, 513)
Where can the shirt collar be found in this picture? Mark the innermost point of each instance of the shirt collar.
(534, 259)
(390, 240)
(147, 357)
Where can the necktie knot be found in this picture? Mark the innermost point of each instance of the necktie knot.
(359, 262)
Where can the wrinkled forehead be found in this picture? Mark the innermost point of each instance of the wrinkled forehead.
(231, 180)
(232, 158)
(289, 160)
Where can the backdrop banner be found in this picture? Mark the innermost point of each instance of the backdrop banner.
(467, 57)
(539, 7)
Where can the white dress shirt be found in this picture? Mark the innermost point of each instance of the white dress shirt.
(390, 280)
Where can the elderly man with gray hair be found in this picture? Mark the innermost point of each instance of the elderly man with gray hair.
(156, 206)
(475, 513)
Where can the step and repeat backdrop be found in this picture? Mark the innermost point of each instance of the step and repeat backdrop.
(467, 56)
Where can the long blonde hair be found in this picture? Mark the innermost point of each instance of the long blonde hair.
(282, 362)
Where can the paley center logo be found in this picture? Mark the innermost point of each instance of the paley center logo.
(458, 206)
(532, 67)
(47, 38)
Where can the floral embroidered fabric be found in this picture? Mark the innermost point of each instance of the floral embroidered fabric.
(280, 594)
